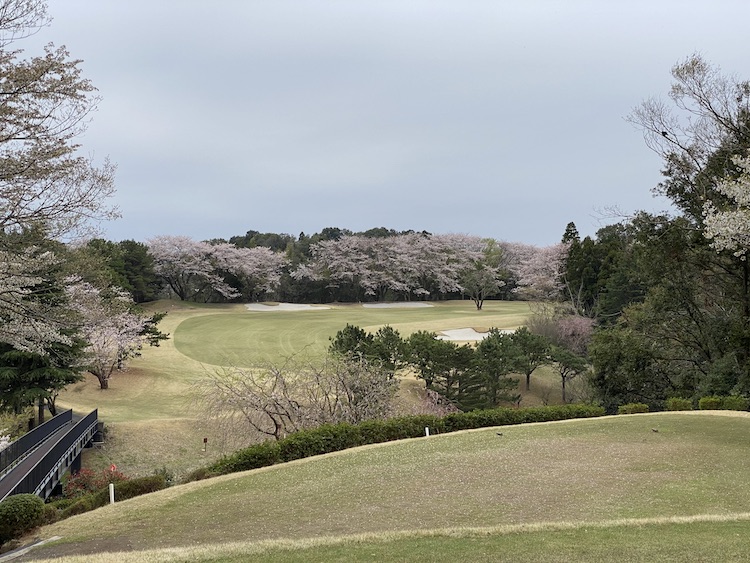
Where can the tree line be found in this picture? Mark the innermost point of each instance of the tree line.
(333, 265)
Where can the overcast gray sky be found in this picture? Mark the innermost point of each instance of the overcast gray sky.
(494, 118)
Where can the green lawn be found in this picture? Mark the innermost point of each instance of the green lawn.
(578, 480)
(247, 338)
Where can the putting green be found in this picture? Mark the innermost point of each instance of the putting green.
(246, 338)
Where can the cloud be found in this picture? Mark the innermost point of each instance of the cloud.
(500, 119)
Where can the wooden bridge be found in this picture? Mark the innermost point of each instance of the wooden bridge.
(36, 462)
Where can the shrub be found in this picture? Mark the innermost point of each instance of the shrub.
(258, 455)
(19, 514)
(123, 490)
(50, 515)
(82, 504)
(87, 481)
(137, 487)
(734, 403)
(632, 408)
(61, 503)
(167, 474)
(709, 403)
(203, 473)
(678, 404)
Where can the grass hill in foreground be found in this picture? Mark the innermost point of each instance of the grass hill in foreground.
(653, 487)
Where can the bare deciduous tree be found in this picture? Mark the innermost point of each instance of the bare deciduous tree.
(275, 401)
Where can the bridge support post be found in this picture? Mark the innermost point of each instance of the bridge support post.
(75, 467)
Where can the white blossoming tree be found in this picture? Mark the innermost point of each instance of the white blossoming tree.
(46, 184)
(198, 270)
(729, 228)
(27, 322)
(407, 265)
(113, 332)
(538, 269)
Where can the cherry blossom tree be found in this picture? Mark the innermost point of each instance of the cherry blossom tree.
(46, 184)
(27, 321)
(113, 332)
(729, 228)
(258, 270)
(447, 256)
(190, 267)
(406, 265)
(344, 261)
(197, 270)
(45, 106)
(483, 277)
(539, 270)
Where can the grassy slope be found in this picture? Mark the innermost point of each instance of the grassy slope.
(150, 409)
(590, 471)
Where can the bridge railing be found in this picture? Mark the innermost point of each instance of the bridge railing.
(59, 457)
(20, 448)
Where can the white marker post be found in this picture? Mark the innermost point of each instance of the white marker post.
(111, 493)
(427, 431)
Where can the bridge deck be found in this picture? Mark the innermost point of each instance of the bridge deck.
(15, 475)
(42, 469)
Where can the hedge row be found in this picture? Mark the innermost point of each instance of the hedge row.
(727, 403)
(713, 402)
(124, 490)
(336, 437)
(632, 408)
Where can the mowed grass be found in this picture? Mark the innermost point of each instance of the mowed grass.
(249, 338)
(573, 475)
(707, 538)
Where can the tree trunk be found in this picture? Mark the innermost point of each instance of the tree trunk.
(51, 405)
(41, 411)
(528, 382)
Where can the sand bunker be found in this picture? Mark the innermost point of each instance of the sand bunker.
(465, 334)
(400, 305)
(284, 307)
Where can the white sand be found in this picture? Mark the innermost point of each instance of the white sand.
(465, 334)
(284, 307)
(399, 305)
